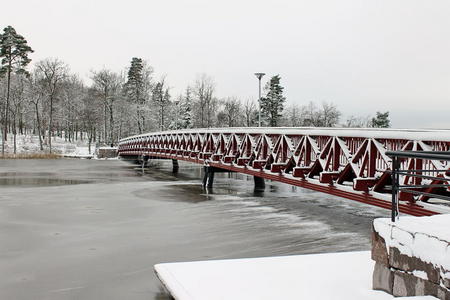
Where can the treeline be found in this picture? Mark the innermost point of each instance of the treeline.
(49, 100)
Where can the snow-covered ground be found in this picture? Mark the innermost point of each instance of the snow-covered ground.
(333, 276)
(29, 144)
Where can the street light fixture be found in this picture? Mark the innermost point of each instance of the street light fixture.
(176, 113)
(259, 76)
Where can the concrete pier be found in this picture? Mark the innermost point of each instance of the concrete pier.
(260, 184)
(175, 166)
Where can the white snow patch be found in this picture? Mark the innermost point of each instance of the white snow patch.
(29, 144)
(420, 274)
(338, 276)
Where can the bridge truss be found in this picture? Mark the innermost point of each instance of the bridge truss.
(349, 163)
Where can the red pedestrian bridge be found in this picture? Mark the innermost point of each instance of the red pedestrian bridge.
(349, 163)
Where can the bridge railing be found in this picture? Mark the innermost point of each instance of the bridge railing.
(428, 183)
(351, 163)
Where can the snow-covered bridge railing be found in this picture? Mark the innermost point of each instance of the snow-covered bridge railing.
(350, 163)
(426, 183)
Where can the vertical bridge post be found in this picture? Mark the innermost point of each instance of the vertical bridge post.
(208, 176)
(175, 166)
(260, 184)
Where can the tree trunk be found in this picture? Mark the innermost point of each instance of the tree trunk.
(111, 122)
(5, 131)
(38, 121)
(106, 120)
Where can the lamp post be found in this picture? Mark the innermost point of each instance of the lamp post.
(259, 76)
(176, 112)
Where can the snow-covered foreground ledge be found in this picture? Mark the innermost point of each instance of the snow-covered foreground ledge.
(412, 256)
(334, 276)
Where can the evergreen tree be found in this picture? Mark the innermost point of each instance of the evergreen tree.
(14, 52)
(381, 120)
(134, 89)
(272, 103)
(186, 110)
(161, 97)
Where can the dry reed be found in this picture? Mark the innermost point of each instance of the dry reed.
(30, 156)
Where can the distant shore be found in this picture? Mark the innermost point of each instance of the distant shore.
(31, 156)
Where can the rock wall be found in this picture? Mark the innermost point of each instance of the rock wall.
(407, 262)
(107, 152)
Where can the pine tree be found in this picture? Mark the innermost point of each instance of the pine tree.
(161, 97)
(272, 103)
(134, 89)
(381, 120)
(14, 52)
(186, 109)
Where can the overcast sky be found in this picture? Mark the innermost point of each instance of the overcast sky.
(362, 55)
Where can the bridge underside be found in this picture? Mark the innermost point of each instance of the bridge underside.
(315, 185)
(346, 163)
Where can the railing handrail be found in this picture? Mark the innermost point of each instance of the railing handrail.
(431, 155)
(376, 133)
(396, 172)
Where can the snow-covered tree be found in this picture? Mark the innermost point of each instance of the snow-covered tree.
(250, 113)
(293, 115)
(161, 97)
(272, 104)
(205, 103)
(381, 120)
(231, 114)
(108, 86)
(329, 115)
(14, 52)
(186, 109)
(137, 89)
(357, 122)
(51, 73)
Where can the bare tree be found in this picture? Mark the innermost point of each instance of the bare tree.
(330, 115)
(357, 122)
(51, 72)
(293, 115)
(108, 85)
(204, 102)
(250, 113)
(232, 112)
(17, 97)
(36, 95)
(161, 97)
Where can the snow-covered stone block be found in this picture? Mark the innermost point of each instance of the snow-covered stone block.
(379, 250)
(418, 255)
(407, 285)
(413, 265)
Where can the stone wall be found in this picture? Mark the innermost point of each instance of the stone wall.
(107, 152)
(403, 274)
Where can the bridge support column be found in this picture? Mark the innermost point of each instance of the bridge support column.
(208, 176)
(144, 160)
(175, 166)
(260, 184)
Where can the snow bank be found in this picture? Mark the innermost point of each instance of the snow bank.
(29, 144)
(336, 276)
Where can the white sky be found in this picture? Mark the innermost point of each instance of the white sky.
(362, 55)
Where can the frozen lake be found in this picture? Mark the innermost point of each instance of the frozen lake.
(86, 229)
